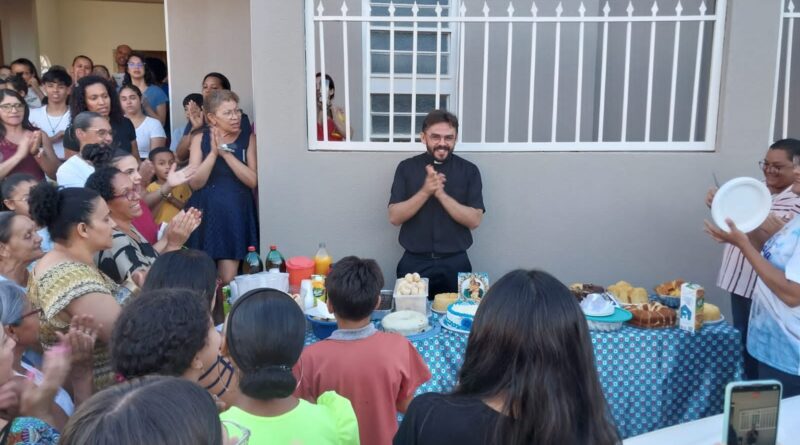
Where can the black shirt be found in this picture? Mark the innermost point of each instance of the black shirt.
(432, 229)
(124, 134)
(445, 419)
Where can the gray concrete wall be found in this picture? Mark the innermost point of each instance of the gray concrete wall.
(794, 92)
(592, 217)
(205, 36)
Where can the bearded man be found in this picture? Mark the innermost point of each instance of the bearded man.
(437, 201)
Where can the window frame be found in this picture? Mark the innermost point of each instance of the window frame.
(380, 83)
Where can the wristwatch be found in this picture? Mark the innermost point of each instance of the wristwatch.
(228, 147)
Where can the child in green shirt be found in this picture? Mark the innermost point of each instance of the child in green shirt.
(264, 337)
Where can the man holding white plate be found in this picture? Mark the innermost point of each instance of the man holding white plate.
(736, 274)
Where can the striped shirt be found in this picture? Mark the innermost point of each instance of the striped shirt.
(736, 275)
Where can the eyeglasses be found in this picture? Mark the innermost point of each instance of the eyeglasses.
(238, 431)
(438, 138)
(231, 113)
(38, 312)
(16, 107)
(772, 168)
(102, 132)
(130, 195)
(135, 65)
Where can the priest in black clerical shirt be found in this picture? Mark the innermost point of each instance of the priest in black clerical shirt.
(437, 201)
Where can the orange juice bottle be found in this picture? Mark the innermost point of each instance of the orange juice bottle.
(322, 261)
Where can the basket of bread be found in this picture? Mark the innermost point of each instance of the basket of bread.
(625, 293)
(669, 293)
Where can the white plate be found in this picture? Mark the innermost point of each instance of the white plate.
(721, 319)
(746, 201)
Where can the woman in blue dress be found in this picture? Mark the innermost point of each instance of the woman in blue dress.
(224, 156)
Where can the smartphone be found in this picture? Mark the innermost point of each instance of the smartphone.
(751, 412)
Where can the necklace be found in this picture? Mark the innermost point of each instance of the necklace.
(49, 122)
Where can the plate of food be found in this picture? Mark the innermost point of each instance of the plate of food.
(712, 314)
(652, 316)
(412, 325)
(581, 290)
(442, 301)
(668, 293)
(746, 201)
(626, 293)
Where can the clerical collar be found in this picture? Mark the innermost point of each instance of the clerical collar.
(354, 334)
(431, 160)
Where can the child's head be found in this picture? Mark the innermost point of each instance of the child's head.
(354, 288)
(264, 337)
(15, 189)
(197, 98)
(162, 159)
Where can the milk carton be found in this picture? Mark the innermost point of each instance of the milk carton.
(691, 310)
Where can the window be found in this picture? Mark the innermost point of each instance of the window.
(387, 80)
(546, 76)
(402, 115)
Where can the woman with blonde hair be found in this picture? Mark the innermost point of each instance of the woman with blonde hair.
(224, 159)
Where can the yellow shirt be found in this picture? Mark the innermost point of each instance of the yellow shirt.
(165, 210)
(331, 421)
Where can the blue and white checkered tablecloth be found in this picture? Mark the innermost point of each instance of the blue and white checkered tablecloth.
(652, 379)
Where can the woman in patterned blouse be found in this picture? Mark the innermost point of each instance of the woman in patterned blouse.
(65, 282)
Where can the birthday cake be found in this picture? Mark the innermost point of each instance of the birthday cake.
(460, 316)
(405, 323)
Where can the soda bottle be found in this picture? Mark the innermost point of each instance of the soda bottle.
(322, 261)
(252, 263)
(318, 288)
(226, 299)
(275, 261)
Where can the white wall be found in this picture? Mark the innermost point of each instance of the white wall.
(205, 36)
(18, 25)
(94, 28)
(592, 217)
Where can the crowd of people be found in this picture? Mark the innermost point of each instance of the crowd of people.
(105, 313)
(117, 236)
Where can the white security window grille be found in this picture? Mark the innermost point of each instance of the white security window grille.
(760, 418)
(410, 66)
(786, 100)
(543, 75)
(402, 116)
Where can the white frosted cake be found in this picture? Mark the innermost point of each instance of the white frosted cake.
(405, 323)
(460, 316)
